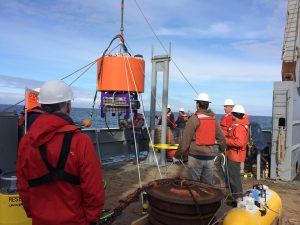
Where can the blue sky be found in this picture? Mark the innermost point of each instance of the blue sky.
(229, 49)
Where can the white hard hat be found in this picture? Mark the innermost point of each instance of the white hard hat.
(168, 106)
(37, 90)
(203, 97)
(55, 91)
(238, 109)
(181, 110)
(229, 101)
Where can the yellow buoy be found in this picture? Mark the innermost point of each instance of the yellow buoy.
(249, 214)
(240, 217)
(87, 123)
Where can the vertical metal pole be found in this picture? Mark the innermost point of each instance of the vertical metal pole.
(164, 110)
(258, 165)
(122, 17)
(150, 157)
(153, 98)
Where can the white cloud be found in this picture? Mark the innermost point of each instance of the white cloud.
(201, 68)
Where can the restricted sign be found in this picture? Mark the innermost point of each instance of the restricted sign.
(31, 98)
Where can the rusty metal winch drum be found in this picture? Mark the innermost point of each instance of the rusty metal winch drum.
(181, 202)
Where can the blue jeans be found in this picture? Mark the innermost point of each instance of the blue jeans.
(201, 170)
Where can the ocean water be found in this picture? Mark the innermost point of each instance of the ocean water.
(79, 114)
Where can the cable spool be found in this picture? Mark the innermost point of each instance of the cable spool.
(121, 73)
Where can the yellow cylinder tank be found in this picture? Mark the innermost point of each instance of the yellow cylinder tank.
(12, 211)
(247, 214)
(11, 208)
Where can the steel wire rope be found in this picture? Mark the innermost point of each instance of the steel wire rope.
(134, 137)
(140, 96)
(160, 107)
(152, 145)
(162, 45)
(99, 74)
(151, 141)
(93, 62)
(98, 78)
(80, 75)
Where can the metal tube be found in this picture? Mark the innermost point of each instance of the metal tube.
(150, 158)
(122, 17)
(258, 155)
(164, 110)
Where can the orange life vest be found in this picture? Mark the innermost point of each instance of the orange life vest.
(237, 154)
(206, 132)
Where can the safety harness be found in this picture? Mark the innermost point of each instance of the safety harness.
(57, 173)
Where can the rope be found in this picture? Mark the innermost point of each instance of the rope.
(14, 105)
(141, 100)
(79, 69)
(80, 75)
(89, 65)
(195, 202)
(162, 45)
(135, 145)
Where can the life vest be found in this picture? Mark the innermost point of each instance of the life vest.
(37, 110)
(172, 121)
(57, 173)
(237, 154)
(206, 132)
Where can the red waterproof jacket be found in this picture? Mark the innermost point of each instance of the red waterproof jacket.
(59, 202)
(237, 139)
(226, 122)
(32, 115)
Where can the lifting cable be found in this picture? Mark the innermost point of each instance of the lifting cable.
(160, 107)
(162, 45)
(122, 44)
(127, 65)
(141, 100)
(89, 65)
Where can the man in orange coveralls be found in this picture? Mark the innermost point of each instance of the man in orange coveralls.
(59, 173)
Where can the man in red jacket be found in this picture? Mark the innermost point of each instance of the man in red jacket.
(236, 142)
(59, 173)
(226, 120)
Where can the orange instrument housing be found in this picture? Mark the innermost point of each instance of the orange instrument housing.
(120, 73)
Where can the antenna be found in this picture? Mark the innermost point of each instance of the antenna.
(122, 16)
